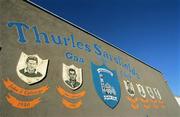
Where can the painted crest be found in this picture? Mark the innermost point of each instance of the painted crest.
(72, 76)
(106, 84)
(31, 68)
(157, 93)
(129, 88)
(141, 90)
(150, 92)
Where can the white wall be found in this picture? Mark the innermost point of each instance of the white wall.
(178, 100)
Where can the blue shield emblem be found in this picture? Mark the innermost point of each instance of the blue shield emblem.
(106, 84)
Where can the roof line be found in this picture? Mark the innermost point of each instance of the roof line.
(49, 12)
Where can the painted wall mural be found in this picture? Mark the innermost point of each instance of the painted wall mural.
(30, 69)
(106, 84)
(73, 79)
(150, 100)
(52, 68)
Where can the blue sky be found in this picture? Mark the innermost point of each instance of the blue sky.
(146, 29)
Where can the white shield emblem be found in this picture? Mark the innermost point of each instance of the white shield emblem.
(150, 92)
(141, 90)
(129, 88)
(72, 76)
(31, 68)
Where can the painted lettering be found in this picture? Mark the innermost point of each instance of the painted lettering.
(38, 36)
(20, 27)
(70, 41)
(97, 49)
(71, 56)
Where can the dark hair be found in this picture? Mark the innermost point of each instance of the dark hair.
(32, 58)
(71, 70)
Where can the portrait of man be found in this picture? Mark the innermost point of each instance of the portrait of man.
(72, 82)
(72, 76)
(31, 67)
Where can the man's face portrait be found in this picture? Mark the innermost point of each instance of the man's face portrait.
(31, 68)
(31, 63)
(72, 74)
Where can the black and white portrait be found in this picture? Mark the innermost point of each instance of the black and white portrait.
(31, 68)
(72, 76)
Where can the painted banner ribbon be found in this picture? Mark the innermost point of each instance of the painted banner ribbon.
(25, 92)
(71, 105)
(22, 104)
(70, 95)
